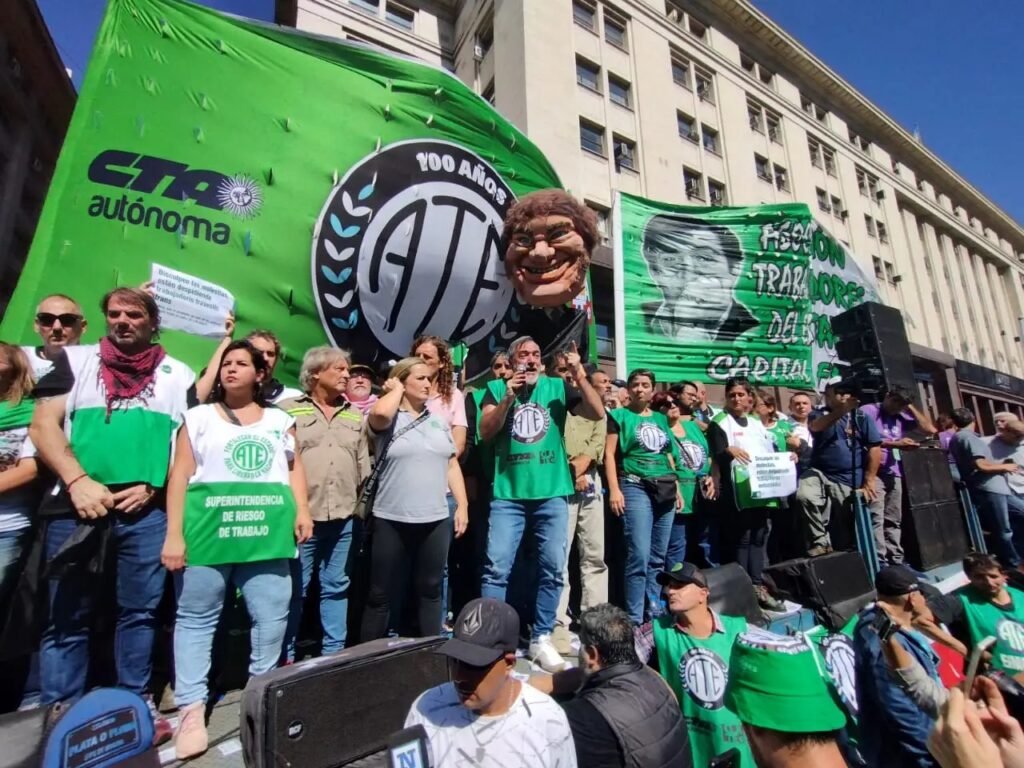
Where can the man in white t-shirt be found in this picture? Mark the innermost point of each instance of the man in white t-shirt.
(485, 717)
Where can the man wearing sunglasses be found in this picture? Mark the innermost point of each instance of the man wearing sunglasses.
(59, 323)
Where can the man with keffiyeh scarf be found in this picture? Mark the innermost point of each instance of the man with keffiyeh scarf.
(106, 431)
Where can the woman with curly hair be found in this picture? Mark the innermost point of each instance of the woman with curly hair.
(447, 402)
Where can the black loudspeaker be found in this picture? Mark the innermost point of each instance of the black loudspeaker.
(732, 593)
(334, 710)
(926, 477)
(934, 534)
(834, 586)
(872, 338)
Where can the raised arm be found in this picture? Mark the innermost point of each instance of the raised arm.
(590, 406)
(383, 412)
(204, 385)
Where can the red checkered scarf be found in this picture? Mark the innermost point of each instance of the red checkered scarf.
(127, 376)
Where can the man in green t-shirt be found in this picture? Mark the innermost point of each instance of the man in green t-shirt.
(990, 608)
(524, 417)
(690, 646)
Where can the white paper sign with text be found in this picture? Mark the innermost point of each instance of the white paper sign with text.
(190, 304)
(772, 476)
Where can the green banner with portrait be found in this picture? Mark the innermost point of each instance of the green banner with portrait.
(708, 293)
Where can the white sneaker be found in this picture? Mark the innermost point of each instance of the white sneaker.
(545, 655)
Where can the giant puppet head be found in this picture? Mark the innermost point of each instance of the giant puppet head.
(547, 239)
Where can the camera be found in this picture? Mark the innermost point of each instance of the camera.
(866, 383)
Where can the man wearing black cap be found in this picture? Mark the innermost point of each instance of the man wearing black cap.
(894, 730)
(485, 717)
(690, 647)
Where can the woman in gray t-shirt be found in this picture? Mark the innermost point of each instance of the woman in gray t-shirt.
(410, 526)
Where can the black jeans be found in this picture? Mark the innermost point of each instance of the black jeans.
(417, 549)
(746, 534)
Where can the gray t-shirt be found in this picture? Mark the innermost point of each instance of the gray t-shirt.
(414, 482)
(965, 447)
(1002, 451)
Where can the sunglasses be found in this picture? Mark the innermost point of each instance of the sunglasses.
(46, 319)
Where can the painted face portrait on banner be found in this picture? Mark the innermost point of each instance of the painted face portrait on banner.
(695, 265)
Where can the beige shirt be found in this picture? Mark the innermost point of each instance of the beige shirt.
(584, 437)
(335, 455)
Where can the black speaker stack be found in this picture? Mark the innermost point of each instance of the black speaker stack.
(872, 339)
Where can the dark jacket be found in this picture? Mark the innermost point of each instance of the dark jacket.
(638, 711)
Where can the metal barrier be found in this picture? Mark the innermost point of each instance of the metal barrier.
(865, 534)
(973, 522)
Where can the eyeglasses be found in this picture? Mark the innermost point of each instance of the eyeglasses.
(46, 319)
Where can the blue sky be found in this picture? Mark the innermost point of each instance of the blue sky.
(952, 70)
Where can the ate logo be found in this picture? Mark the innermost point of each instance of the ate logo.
(248, 456)
(1011, 633)
(408, 243)
(530, 423)
(704, 676)
(693, 455)
(840, 663)
(651, 436)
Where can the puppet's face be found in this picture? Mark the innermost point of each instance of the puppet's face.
(547, 261)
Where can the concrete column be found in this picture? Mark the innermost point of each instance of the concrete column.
(924, 331)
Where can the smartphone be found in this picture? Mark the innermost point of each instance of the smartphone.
(972, 665)
(883, 625)
(730, 759)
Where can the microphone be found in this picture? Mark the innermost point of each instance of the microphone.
(408, 748)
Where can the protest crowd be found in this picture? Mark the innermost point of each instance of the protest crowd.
(138, 495)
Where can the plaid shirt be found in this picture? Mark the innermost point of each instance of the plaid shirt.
(643, 638)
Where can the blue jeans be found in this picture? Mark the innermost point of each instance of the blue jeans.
(328, 550)
(444, 574)
(13, 546)
(64, 652)
(647, 528)
(676, 551)
(266, 587)
(1003, 515)
(549, 523)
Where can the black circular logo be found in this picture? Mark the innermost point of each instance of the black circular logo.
(409, 243)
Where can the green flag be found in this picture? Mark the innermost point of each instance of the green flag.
(708, 293)
(342, 194)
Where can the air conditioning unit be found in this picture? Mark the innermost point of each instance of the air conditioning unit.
(691, 189)
(844, 214)
(880, 194)
(478, 52)
(897, 279)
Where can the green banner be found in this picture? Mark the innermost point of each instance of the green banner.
(342, 194)
(709, 293)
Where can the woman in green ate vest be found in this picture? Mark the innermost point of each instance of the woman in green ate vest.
(640, 460)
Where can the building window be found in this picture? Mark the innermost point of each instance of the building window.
(829, 156)
(755, 115)
(866, 183)
(877, 264)
(761, 167)
(698, 29)
(814, 150)
(687, 127)
(837, 206)
(585, 15)
(890, 273)
(615, 29)
(822, 199)
(603, 228)
(399, 16)
(680, 70)
(619, 91)
(860, 142)
(883, 235)
(705, 85)
(781, 178)
(716, 192)
(869, 224)
(710, 139)
(625, 153)
(693, 183)
(485, 38)
(367, 5)
(488, 93)
(812, 109)
(747, 63)
(765, 75)
(588, 75)
(592, 138)
(774, 123)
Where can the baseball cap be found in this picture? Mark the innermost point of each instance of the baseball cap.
(779, 683)
(682, 573)
(364, 369)
(485, 630)
(619, 382)
(895, 580)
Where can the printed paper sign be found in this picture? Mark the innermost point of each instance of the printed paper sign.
(772, 476)
(189, 303)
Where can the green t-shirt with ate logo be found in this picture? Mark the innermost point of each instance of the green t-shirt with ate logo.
(697, 670)
(693, 461)
(1005, 623)
(529, 452)
(645, 442)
